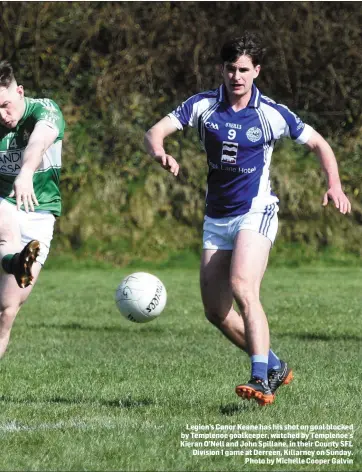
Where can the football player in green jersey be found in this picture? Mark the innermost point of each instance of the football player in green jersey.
(31, 133)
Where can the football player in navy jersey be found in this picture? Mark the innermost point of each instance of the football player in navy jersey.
(238, 128)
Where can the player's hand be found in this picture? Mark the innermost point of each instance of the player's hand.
(168, 162)
(23, 191)
(339, 198)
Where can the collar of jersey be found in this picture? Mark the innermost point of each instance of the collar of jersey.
(254, 101)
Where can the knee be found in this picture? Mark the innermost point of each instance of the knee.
(215, 318)
(244, 291)
(7, 317)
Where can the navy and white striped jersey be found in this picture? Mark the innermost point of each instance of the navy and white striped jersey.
(238, 147)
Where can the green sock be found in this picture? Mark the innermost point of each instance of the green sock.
(7, 263)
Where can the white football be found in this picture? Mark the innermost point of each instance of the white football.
(141, 297)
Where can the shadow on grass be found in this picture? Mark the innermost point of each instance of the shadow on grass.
(321, 336)
(81, 327)
(235, 408)
(126, 403)
(161, 329)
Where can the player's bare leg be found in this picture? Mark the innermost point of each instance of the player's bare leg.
(11, 299)
(11, 295)
(248, 263)
(217, 295)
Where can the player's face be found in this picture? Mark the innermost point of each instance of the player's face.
(12, 105)
(239, 76)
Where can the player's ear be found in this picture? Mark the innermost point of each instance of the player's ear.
(256, 71)
(20, 90)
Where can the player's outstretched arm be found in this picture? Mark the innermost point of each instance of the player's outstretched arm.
(154, 144)
(40, 140)
(322, 149)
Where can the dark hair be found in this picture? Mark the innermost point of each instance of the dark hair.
(250, 44)
(6, 74)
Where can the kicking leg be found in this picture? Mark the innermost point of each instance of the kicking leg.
(11, 299)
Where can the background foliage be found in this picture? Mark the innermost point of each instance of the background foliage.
(115, 68)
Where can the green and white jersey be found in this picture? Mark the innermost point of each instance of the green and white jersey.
(12, 146)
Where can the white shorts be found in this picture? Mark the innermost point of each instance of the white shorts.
(220, 233)
(33, 225)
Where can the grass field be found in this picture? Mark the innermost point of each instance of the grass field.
(83, 389)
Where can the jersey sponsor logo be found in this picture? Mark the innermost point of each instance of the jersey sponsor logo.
(10, 162)
(229, 152)
(229, 168)
(208, 124)
(213, 165)
(254, 134)
(239, 170)
(247, 170)
(233, 125)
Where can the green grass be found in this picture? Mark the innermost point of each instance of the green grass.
(81, 388)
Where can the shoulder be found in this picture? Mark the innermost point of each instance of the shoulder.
(268, 104)
(282, 120)
(41, 102)
(195, 106)
(45, 110)
(47, 104)
(208, 95)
